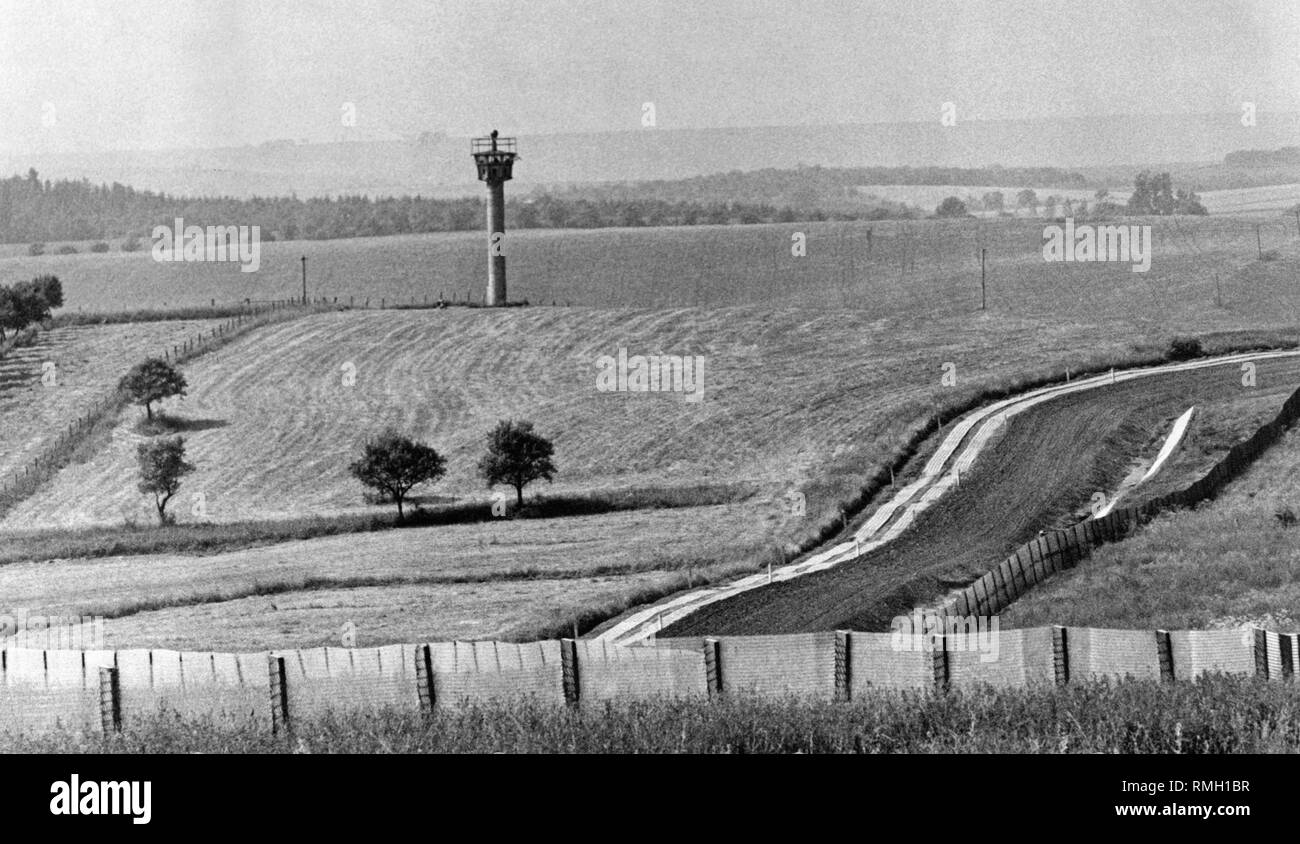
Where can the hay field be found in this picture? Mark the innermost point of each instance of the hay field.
(87, 363)
(886, 268)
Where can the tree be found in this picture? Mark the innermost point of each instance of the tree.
(1027, 199)
(516, 456)
(51, 289)
(153, 380)
(951, 207)
(393, 464)
(162, 465)
(994, 201)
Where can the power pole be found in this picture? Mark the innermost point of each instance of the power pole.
(983, 295)
(304, 279)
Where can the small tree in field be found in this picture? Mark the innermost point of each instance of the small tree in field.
(516, 456)
(162, 465)
(393, 464)
(153, 380)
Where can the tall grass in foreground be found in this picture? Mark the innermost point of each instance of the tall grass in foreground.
(1215, 714)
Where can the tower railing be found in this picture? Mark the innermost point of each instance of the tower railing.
(481, 146)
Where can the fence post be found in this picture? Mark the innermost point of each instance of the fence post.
(1061, 654)
(569, 670)
(279, 695)
(110, 700)
(713, 667)
(1261, 652)
(941, 664)
(424, 678)
(843, 665)
(1287, 652)
(1165, 652)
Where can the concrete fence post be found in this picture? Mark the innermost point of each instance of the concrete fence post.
(424, 678)
(569, 670)
(843, 665)
(1165, 653)
(110, 700)
(713, 667)
(1286, 648)
(940, 664)
(1061, 654)
(279, 695)
(1261, 652)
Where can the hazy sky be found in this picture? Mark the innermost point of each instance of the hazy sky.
(147, 73)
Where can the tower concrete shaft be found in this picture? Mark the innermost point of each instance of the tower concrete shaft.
(495, 158)
(496, 226)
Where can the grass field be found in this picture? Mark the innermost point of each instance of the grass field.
(87, 363)
(815, 399)
(1216, 714)
(1227, 563)
(918, 268)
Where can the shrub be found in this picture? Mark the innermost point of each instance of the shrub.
(36, 249)
(101, 246)
(1184, 348)
(1285, 516)
(1270, 255)
(66, 249)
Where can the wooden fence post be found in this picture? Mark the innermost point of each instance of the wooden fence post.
(713, 667)
(279, 695)
(110, 700)
(843, 665)
(1165, 653)
(1261, 652)
(1286, 647)
(1061, 654)
(424, 678)
(569, 670)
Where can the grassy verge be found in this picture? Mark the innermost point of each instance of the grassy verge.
(1230, 561)
(215, 538)
(1215, 714)
(199, 312)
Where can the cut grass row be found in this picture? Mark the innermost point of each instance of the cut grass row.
(209, 538)
(1213, 715)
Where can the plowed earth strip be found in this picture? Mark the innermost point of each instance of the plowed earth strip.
(1064, 445)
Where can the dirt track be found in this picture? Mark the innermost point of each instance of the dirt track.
(1050, 461)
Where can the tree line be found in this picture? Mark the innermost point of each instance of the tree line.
(38, 211)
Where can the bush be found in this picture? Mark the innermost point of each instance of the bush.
(131, 244)
(1270, 255)
(1285, 517)
(1184, 348)
(36, 249)
(101, 246)
(66, 249)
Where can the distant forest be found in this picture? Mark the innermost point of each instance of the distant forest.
(36, 211)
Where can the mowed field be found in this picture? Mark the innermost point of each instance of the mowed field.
(47, 385)
(816, 398)
(906, 269)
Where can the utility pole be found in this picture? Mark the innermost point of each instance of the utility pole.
(983, 295)
(304, 279)
(1259, 246)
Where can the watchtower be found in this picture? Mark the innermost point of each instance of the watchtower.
(495, 157)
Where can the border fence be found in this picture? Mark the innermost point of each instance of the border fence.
(102, 691)
(1058, 550)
